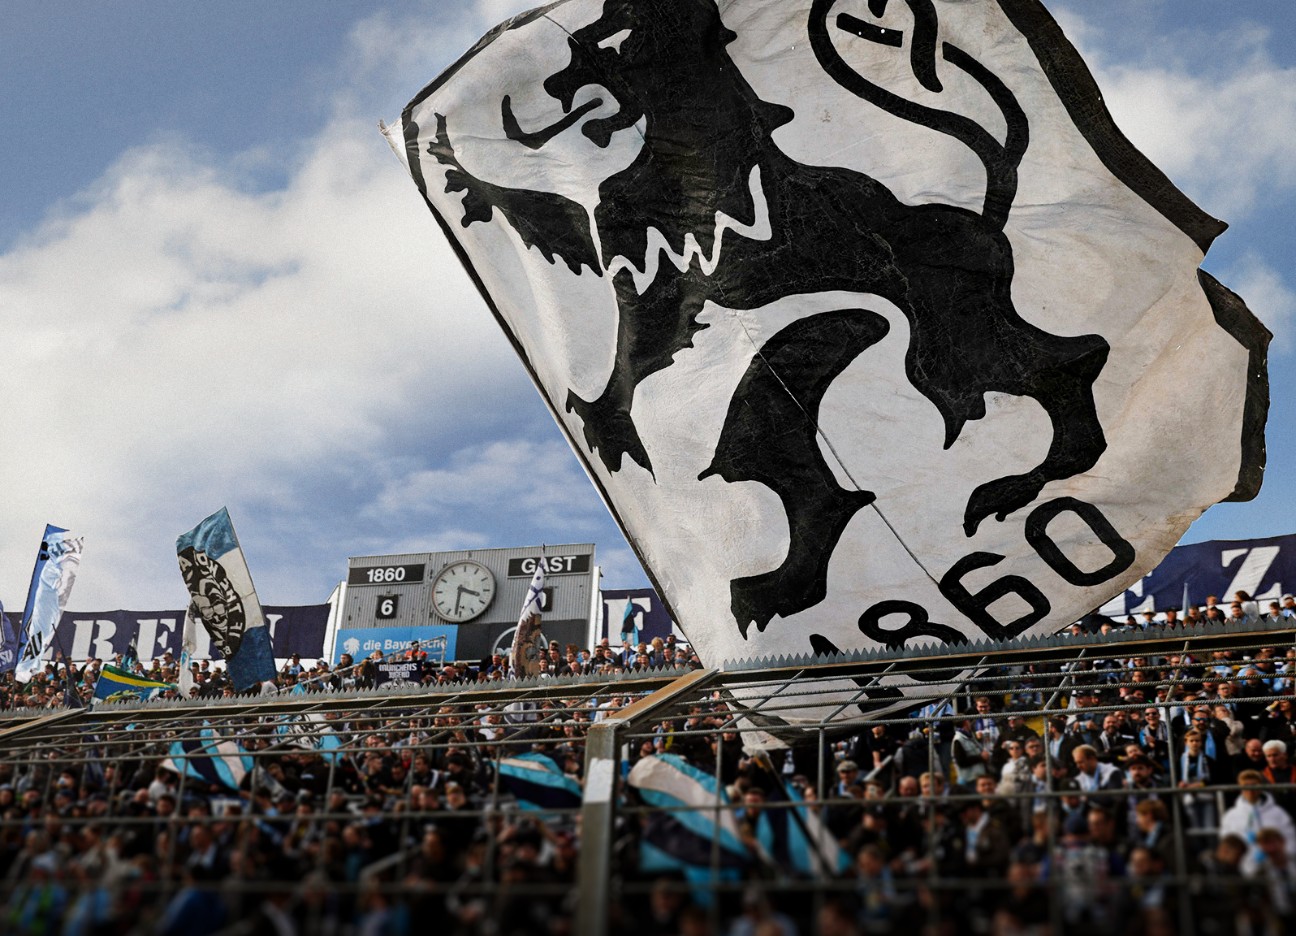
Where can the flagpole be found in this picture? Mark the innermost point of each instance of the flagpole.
(763, 758)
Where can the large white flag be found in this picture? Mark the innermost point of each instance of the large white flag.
(57, 563)
(865, 319)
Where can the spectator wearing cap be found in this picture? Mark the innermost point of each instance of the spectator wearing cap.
(1085, 725)
(415, 652)
(1141, 782)
(848, 775)
(1018, 729)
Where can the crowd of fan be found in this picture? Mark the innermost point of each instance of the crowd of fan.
(1163, 787)
(49, 688)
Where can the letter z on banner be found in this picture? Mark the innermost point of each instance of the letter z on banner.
(864, 318)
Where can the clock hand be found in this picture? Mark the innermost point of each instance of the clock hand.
(458, 598)
(469, 591)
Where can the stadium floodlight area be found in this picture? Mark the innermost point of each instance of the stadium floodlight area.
(661, 802)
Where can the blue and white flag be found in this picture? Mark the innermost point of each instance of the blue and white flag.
(9, 645)
(696, 818)
(311, 731)
(668, 781)
(628, 620)
(221, 595)
(210, 759)
(526, 639)
(796, 838)
(539, 783)
(55, 571)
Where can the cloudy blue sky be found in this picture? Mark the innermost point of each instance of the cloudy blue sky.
(217, 286)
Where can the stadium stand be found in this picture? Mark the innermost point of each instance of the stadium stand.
(1108, 783)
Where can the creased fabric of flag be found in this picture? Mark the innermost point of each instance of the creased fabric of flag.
(210, 758)
(9, 645)
(795, 837)
(222, 596)
(539, 783)
(668, 781)
(57, 563)
(683, 841)
(526, 639)
(114, 685)
(311, 732)
(627, 619)
(737, 243)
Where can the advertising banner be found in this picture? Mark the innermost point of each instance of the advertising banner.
(437, 641)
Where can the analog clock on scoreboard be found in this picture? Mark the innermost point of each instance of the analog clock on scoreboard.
(462, 591)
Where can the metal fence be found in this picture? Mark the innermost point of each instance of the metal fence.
(669, 803)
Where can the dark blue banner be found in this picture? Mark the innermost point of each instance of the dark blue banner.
(1263, 568)
(636, 612)
(85, 634)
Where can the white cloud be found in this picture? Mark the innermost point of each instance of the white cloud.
(1215, 113)
(538, 483)
(177, 340)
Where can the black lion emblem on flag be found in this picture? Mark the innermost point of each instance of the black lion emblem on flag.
(213, 600)
(708, 148)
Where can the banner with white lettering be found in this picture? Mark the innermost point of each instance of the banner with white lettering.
(1263, 568)
(86, 635)
(635, 612)
(398, 672)
(437, 641)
